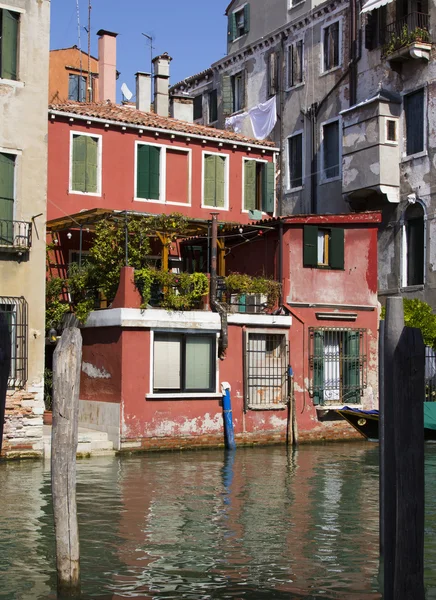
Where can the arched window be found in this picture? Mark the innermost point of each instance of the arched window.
(413, 245)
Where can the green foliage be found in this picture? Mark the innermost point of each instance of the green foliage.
(406, 38)
(56, 307)
(48, 389)
(420, 315)
(176, 291)
(240, 284)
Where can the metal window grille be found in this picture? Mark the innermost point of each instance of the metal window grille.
(266, 371)
(338, 365)
(430, 374)
(15, 311)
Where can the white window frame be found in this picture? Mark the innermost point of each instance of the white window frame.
(163, 173)
(183, 395)
(324, 27)
(384, 136)
(21, 11)
(288, 83)
(99, 137)
(323, 178)
(17, 165)
(227, 182)
(404, 156)
(244, 160)
(239, 9)
(288, 166)
(404, 249)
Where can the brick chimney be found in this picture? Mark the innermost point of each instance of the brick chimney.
(182, 107)
(143, 91)
(107, 65)
(161, 84)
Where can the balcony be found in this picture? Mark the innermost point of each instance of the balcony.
(15, 236)
(408, 38)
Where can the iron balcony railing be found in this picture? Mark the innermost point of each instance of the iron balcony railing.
(411, 28)
(15, 235)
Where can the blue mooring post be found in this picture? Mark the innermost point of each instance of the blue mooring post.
(229, 435)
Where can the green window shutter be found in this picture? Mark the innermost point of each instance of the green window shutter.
(142, 171)
(9, 42)
(154, 157)
(7, 170)
(249, 185)
(227, 96)
(91, 168)
(318, 367)
(220, 181)
(310, 246)
(209, 180)
(351, 368)
(78, 182)
(231, 30)
(268, 188)
(336, 259)
(246, 18)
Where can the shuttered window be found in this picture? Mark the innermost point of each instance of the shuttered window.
(9, 21)
(148, 172)
(273, 74)
(295, 63)
(331, 46)
(238, 91)
(7, 176)
(323, 247)
(259, 186)
(213, 106)
(414, 114)
(85, 164)
(238, 23)
(77, 88)
(330, 150)
(337, 360)
(215, 181)
(295, 156)
(184, 362)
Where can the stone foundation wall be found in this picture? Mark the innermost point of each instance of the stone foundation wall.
(22, 436)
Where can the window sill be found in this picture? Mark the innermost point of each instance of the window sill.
(409, 157)
(166, 202)
(293, 190)
(291, 88)
(12, 82)
(331, 179)
(330, 70)
(412, 288)
(94, 195)
(183, 396)
(325, 407)
(267, 407)
(296, 5)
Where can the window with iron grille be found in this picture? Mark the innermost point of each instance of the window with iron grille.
(15, 312)
(337, 359)
(266, 370)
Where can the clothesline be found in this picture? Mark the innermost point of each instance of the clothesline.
(263, 118)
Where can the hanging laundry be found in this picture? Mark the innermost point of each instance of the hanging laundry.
(236, 122)
(263, 118)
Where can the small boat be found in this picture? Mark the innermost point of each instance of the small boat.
(366, 421)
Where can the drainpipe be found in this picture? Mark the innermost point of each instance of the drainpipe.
(217, 306)
(281, 111)
(313, 115)
(280, 265)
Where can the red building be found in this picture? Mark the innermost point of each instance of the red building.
(152, 379)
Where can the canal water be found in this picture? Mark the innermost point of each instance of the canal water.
(261, 523)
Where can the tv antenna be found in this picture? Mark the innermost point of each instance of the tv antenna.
(150, 39)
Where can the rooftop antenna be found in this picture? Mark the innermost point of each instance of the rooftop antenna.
(150, 39)
(89, 91)
(80, 47)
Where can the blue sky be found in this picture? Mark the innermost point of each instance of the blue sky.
(193, 32)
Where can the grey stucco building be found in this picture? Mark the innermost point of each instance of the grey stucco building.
(354, 86)
(24, 60)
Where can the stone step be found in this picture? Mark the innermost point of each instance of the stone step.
(90, 443)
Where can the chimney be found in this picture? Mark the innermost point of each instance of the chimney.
(107, 66)
(182, 107)
(161, 84)
(143, 91)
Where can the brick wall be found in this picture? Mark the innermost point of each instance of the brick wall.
(22, 436)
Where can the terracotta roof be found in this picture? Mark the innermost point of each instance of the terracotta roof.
(107, 111)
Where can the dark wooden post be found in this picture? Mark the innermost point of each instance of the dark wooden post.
(409, 391)
(5, 366)
(394, 325)
(66, 381)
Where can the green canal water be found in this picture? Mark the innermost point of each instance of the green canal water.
(261, 523)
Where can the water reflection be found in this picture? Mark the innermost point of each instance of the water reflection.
(251, 524)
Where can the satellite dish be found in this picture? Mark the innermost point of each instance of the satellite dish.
(126, 92)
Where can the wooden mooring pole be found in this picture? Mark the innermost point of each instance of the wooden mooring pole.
(402, 458)
(5, 365)
(66, 380)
